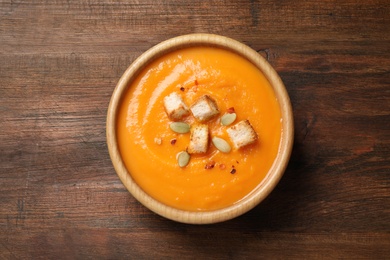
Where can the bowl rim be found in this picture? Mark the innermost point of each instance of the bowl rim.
(274, 174)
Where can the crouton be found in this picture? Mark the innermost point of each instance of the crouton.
(199, 139)
(204, 108)
(242, 134)
(175, 107)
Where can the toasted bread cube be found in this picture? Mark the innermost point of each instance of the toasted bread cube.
(204, 108)
(175, 107)
(199, 139)
(242, 134)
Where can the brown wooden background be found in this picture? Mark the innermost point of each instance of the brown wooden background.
(59, 195)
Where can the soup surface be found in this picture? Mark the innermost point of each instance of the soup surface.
(149, 147)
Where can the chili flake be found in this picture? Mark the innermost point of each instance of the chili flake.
(230, 110)
(210, 165)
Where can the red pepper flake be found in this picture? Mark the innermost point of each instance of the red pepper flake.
(233, 171)
(182, 88)
(222, 166)
(210, 165)
(237, 162)
(196, 82)
(173, 141)
(230, 110)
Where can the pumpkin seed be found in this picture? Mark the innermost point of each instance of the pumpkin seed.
(183, 158)
(228, 118)
(221, 144)
(180, 127)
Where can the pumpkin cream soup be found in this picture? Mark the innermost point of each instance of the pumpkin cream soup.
(199, 128)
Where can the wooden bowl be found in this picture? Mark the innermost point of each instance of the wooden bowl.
(275, 173)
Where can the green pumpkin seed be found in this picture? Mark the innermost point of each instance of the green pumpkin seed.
(221, 144)
(180, 127)
(228, 118)
(183, 158)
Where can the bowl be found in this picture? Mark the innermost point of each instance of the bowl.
(262, 190)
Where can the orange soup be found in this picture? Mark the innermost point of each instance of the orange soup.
(149, 148)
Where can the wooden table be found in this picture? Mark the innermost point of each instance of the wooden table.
(60, 196)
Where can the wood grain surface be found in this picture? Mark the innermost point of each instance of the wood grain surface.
(60, 196)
